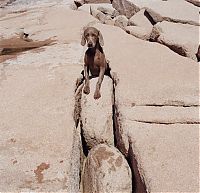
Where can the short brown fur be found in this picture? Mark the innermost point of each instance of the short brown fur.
(94, 60)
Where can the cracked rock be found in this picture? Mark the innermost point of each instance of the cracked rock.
(96, 1)
(139, 25)
(139, 19)
(181, 38)
(139, 32)
(194, 2)
(176, 11)
(103, 6)
(121, 21)
(106, 170)
(96, 115)
(151, 74)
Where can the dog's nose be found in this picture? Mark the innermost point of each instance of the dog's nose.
(89, 44)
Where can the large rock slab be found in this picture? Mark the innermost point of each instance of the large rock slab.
(40, 146)
(181, 38)
(139, 32)
(121, 21)
(160, 10)
(194, 2)
(163, 139)
(140, 19)
(103, 6)
(164, 153)
(37, 127)
(106, 170)
(96, 115)
(161, 115)
(80, 3)
(103, 12)
(3, 3)
(139, 25)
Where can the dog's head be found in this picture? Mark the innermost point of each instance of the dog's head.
(92, 35)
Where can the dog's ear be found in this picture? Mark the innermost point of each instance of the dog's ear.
(83, 40)
(101, 41)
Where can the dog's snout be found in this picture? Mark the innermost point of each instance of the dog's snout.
(90, 44)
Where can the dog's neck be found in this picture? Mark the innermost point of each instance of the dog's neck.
(92, 51)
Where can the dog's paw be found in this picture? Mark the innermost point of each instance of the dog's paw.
(86, 90)
(97, 95)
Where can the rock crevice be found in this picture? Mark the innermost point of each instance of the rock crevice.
(137, 182)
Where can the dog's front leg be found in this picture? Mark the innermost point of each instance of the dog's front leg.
(86, 89)
(97, 93)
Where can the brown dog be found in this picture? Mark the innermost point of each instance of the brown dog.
(94, 60)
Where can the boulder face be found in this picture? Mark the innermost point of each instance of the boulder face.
(121, 21)
(139, 32)
(106, 170)
(106, 7)
(139, 25)
(156, 100)
(154, 117)
(40, 146)
(36, 126)
(181, 38)
(126, 7)
(194, 2)
(160, 10)
(140, 19)
(103, 12)
(96, 115)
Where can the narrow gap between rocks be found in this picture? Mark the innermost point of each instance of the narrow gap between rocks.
(146, 13)
(168, 123)
(170, 104)
(138, 185)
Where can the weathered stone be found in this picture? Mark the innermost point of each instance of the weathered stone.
(181, 38)
(97, 1)
(108, 10)
(79, 3)
(96, 115)
(125, 7)
(163, 139)
(121, 21)
(106, 170)
(109, 21)
(140, 26)
(156, 105)
(86, 7)
(160, 10)
(139, 32)
(139, 19)
(163, 115)
(39, 145)
(115, 13)
(98, 11)
(99, 15)
(164, 153)
(194, 2)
